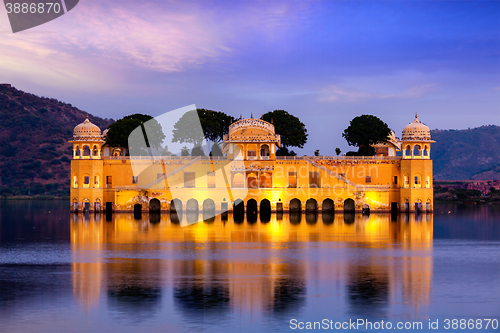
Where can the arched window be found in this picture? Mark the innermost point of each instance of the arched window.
(75, 181)
(406, 181)
(78, 152)
(426, 151)
(86, 180)
(252, 181)
(407, 151)
(86, 151)
(418, 181)
(96, 181)
(416, 150)
(238, 180)
(117, 152)
(266, 180)
(264, 151)
(94, 151)
(428, 181)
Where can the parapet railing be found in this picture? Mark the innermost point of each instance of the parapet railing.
(203, 158)
(216, 158)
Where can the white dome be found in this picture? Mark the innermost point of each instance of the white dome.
(87, 131)
(416, 131)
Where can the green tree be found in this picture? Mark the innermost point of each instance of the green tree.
(166, 152)
(216, 151)
(364, 132)
(197, 151)
(316, 152)
(184, 151)
(119, 131)
(292, 131)
(337, 151)
(214, 124)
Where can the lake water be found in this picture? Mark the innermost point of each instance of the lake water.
(62, 272)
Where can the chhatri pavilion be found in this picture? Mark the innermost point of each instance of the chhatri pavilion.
(250, 177)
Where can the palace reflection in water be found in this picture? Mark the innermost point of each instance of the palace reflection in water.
(245, 265)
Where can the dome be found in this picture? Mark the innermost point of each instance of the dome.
(87, 131)
(416, 131)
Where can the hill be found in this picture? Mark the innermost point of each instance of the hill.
(34, 132)
(467, 154)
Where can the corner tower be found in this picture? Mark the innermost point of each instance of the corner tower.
(86, 167)
(416, 168)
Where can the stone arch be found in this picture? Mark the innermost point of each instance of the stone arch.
(252, 206)
(192, 206)
(417, 180)
(86, 180)
(417, 150)
(265, 206)
(86, 150)
(425, 152)
(137, 211)
(208, 209)
(328, 206)
(264, 151)
(252, 181)
(176, 206)
(406, 180)
(238, 210)
(349, 206)
(97, 180)
(238, 152)
(154, 205)
(238, 206)
(192, 210)
(75, 204)
(311, 206)
(265, 180)
(295, 206)
(238, 180)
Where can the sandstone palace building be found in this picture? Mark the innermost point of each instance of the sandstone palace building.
(249, 176)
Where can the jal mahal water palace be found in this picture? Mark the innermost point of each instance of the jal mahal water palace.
(249, 177)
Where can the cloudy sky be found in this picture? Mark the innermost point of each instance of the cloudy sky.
(323, 61)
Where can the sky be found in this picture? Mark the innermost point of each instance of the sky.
(325, 62)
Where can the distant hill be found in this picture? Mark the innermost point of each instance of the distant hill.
(467, 154)
(34, 152)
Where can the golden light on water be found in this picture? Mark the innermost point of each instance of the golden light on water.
(251, 263)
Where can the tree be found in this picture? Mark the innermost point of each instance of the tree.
(337, 151)
(184, 151)
(293, 132)
(119, 132)
(316, 152)
(194, 126)
(197, 151)
(166, 152)
(364, 132)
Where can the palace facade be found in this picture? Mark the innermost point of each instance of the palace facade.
(250, 177)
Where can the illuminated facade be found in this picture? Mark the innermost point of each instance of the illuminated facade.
(103, 178)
